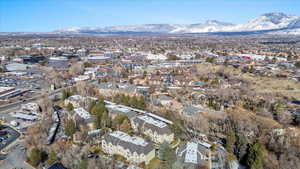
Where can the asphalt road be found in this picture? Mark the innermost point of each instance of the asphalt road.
(11, 105)
(52, 95)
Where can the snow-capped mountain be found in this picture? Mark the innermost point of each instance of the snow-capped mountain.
(208, 26)
(270, 22)
(154, 28)
(267, 21)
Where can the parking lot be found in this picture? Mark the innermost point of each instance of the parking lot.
(15, 158)
(7, 136)
(35, 83)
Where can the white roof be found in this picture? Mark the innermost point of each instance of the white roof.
(207, 145)
(127, 109)
(152, 121)
(24, 116)
(191, 152)
(125, 137)
(58, 58)
(76, 98)
(97, 57)
(118, 108)
(160, 118)
(82, 113)
(3, 89)
(81, 78)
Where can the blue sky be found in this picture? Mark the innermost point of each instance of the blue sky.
(49, 15)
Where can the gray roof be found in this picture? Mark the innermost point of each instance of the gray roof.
(118, 86)
(13, 66)
(191, 110)
(134, 144)
(117, 109)
(151, 123)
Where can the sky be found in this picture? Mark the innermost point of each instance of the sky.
(50, 15)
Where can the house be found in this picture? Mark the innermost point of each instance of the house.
(155, 128)
(154, 80)
(91, 72)
(193, 154)
(135, 149)
(164, 100)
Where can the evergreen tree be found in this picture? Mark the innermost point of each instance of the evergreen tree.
(35, 157)
(167, 156)
(141, 103)
(241, 147)
(83, 163)
(70, 127)
(101, 114)
(70, 107)
(52, 158)
(255, 156)
(230, 141)
(65, 94)
(297, 64)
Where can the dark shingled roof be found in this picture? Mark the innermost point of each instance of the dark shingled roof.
(57, 166)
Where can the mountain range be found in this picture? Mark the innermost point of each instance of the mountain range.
(269, 23)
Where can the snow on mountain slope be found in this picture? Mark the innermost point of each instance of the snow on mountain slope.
(159, 28)
(268, 21)
(208, 26)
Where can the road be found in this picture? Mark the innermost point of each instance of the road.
(52, 95)
(11, 105)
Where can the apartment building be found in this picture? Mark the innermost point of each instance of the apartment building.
(135, 149)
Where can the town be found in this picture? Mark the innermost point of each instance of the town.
(148, 101)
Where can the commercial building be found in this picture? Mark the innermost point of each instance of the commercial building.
(58, 62)
(97, 58)
(134, 149)
(23, 116)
